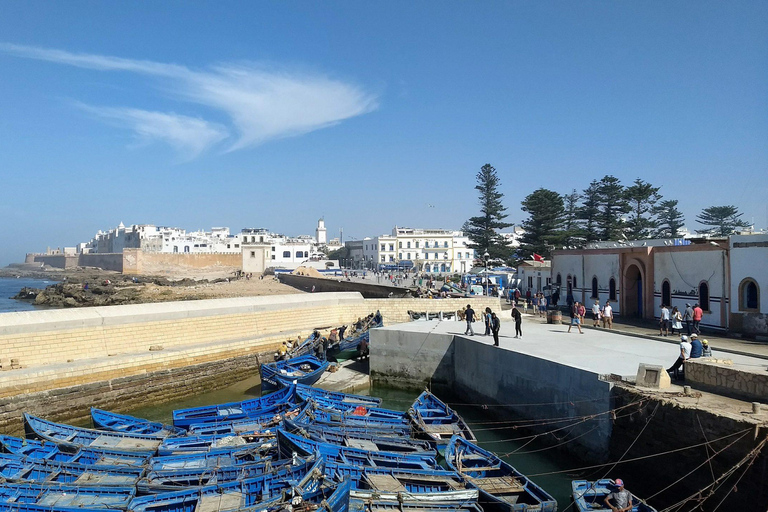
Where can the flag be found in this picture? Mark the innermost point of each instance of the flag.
(538, 257)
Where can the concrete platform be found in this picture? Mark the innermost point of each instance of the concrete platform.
(598, 351)
(351, 377)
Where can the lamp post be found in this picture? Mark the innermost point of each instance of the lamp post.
(485, 258)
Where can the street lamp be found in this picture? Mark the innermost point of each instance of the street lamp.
(485, 257)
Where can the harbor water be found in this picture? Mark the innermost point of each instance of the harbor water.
(531, 458)
(10, 286)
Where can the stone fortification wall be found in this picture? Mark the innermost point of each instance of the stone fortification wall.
(136, 261)
(113, 261)
(738, 381)
(57, 260)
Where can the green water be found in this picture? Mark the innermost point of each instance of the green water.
(490, 433)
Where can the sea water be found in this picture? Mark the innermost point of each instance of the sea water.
(10, 286)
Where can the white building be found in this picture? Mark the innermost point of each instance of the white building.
(428, 250)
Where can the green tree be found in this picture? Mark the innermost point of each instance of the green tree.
(542, 227)
(613, 204)
(572, 233)
(723, 220)
(589, 211)
(483, 230)
(642, 197)
(669, 219)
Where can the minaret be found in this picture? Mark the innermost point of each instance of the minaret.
(320, 235)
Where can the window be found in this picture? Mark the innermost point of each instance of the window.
(237, 245)
(273, 256)
(530, 281)
(445, 244)
(391, 247)
(426, 267)
(408, 255)
(559, 280)
(399, 255)
(186, 248)
(399, 245)
(175, 248)
(228, 246)
(391, 258)
(749, 295)
(253, 254)
(383, 247)
(417, 244)
(458, 255)
(408, 245)
(299, 254)
(383, 259)
(468, 256)
(286, 254)
(273, 248)
(666, 293)
(574, 283)
(594, 288)
(704, 296)
(611, 288)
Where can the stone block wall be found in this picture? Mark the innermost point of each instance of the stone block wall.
(746, 383)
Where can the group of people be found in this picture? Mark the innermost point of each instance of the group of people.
(671, 321)
(600, 314)
(492, 322)
(690, 348)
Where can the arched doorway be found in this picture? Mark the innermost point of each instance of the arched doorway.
(633, 292)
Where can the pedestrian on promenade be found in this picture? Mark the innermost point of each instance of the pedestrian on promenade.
(596, 313)
(575, 318)
(518, 318)
(677, 321)
(685, 354)
(608, 315)
(495, 328)
(688, 317)
(470, 317)
(535, 304)
(698, 313)
(542, 305)
(488, 321)
(582, 312)
(664, 321)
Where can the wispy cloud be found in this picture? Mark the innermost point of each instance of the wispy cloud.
(190, 136)
(262, 104)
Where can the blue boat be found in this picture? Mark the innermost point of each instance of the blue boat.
(29, 507)
(18, 470)
(501, 486)
(216, 443)
(590, 495)
(291, 443)
(311, 393)
(235, 495)
(67, 496)
(33, 449)
(207, 460)
(359, 439)
(437, 422)
(348, 347)
(77, 437)
(247, 409)
(302, 370)
(174, 480)
(312, 414)
(410, 485)
(358, 505)
(361, 411)
(306, 347)
(106, 420)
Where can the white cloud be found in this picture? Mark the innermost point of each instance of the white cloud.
(262, 104)
(189, 135)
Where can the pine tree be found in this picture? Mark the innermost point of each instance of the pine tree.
(669, 219)
(542, 227)
(571, 234)
(483, 229)
(613, 204)
(723, 220)
(589, 211)
(642, 197)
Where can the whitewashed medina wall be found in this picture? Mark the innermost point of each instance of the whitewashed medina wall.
(584, 267)
(686, 271)
(749, 260)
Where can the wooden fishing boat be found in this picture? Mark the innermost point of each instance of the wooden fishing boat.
(590, 495)
(501, 486)
(404, 485)
(235, 495)
(358, 505)
(106, 420)
(262, 407)
(289, 443)
(174, 480)
(33, 449)
(437, 422)
(348, 347)
(311, 393)
(313, 414)
(305, 369)
(359, 439)
(207, 460)
(219, 442)
(29, 507)
(77, 437)
(67, 496)
(361, 411)
(18, 470)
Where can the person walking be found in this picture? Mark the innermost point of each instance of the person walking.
(487, 319)
(575, 318)
(677, 321)
(495, 328)
(664, 321)
(688, 318)
(596, 314)
(582, 312)
(518, 318)
(608, 315)
(470, 317)
(542, 305)
(698, 313)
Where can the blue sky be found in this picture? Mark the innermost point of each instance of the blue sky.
(273, 114)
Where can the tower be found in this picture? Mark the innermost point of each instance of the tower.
(320, 235)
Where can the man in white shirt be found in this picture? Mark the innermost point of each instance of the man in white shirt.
(664, 321)
(607, 315)
(685, 354)
(596, 314)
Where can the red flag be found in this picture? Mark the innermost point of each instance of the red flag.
(538, 257)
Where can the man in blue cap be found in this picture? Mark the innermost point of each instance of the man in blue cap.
(619, 500)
